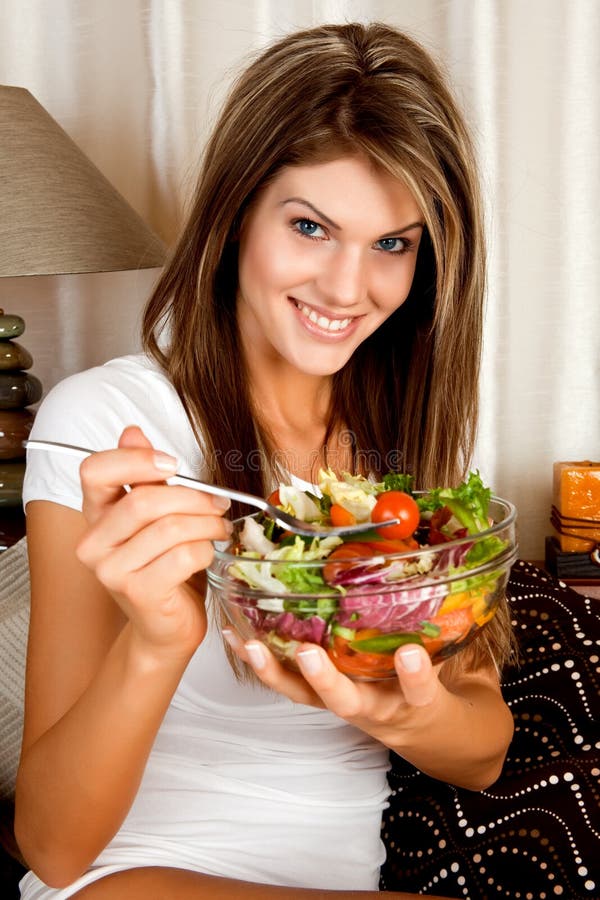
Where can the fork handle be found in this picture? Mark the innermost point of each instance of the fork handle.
(185, 480)
(232, 494)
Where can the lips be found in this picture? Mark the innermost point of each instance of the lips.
(330, 325)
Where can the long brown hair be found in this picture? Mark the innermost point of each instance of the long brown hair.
(409, 395)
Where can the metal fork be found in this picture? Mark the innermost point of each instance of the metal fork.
(298, 526)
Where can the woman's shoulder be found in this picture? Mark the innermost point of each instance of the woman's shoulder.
(91, 408)
(101, 401)
(128, 379)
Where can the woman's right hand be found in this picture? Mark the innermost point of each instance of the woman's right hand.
(145, 545)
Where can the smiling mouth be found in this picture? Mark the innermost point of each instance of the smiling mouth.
(321, 321)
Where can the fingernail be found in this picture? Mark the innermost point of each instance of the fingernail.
(309, 661)
(410, 659)
(221, 502)
(257, 655)
(165, 463)
(231, 638)
(228, 526)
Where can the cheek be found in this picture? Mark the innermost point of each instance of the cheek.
(394, 288)
(265, 266)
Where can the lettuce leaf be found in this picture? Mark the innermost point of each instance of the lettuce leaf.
(398, 481)
(354, 493)
(468, 503)
(274, 576)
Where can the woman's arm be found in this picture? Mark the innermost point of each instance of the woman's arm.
(103, 664)
(463, 734)
(181, 884)
(451, 723)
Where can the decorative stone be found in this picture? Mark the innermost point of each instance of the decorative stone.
(11, 483)
(15, 426)
(10, 326)
(18, 389)
(14, 356)
(12, 527)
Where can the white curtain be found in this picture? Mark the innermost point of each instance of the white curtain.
(136, 84)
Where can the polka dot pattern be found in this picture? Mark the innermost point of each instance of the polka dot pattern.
(535, 833)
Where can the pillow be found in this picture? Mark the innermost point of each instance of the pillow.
(535, 833)
(14, 625)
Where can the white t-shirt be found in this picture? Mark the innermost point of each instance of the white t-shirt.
(241, 782)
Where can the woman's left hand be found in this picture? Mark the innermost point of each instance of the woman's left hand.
(449, 720)
(380, 708)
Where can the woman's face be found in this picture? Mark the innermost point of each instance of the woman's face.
(327, 252)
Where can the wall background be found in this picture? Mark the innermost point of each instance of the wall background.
(137, 85)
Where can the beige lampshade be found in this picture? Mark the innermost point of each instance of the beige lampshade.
(58, 213)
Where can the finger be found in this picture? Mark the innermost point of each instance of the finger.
(270, 671)
(155, 586)
(164, 613)
(337, 692)
(133, 436)
(149, 504)
(103, 474)
(190, 535)
(418, 678)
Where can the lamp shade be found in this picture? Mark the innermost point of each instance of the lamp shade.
(58, 213)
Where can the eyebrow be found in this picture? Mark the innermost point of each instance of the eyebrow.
(332, 224)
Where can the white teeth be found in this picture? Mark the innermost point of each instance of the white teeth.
(323, 322)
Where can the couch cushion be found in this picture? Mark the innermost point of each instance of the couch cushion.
(536, 832)
(14, 624)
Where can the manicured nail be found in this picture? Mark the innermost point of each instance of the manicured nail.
(231, 638)
(228, 526)
(257, 654)
(411, 659)
(221, 502)
(165, 463)
(310, 661)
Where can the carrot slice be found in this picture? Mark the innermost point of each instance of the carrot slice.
(340, 516)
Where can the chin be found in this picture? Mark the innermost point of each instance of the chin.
(320, 367)
(322, 361)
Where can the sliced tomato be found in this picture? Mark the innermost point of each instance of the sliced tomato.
(384, 546)
(365, 665)
(274, 499)
(340, 516)
(343, 557)
(454, 626)
(396, 505)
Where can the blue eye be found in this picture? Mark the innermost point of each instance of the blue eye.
(308, 227)
(392, 245)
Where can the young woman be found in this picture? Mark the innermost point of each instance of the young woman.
(323, 304)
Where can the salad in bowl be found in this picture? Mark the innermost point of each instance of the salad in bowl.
(435, 578)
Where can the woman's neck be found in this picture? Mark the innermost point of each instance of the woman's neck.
(294, 408)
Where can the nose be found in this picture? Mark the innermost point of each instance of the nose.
(343, 279)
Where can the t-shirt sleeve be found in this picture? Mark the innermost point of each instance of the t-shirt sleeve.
(91, 409)
(84, 410)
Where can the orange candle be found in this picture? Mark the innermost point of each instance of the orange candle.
(577, 496)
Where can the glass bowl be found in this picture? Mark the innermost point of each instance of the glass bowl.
(361, 609)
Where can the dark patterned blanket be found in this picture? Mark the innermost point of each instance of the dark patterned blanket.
(535, 834)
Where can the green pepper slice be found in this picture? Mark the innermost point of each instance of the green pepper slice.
(385, 643)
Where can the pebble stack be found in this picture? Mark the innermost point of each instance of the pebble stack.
(18, 390)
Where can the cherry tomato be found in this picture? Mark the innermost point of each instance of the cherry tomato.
(274, 498)
(340, 516)
(396, 505)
